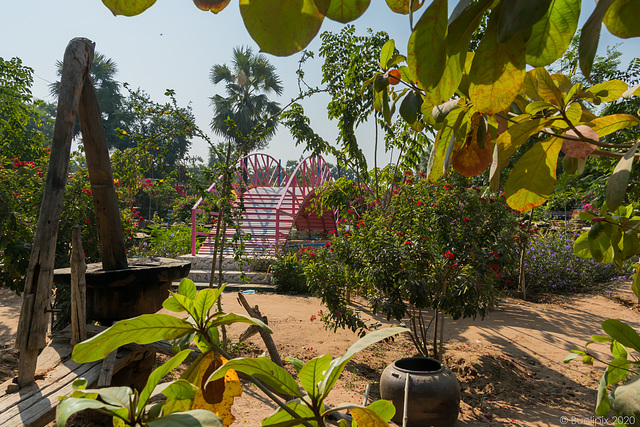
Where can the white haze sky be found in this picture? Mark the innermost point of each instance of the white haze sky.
(173, 45)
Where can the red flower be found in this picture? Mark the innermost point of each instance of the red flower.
(395, 192)
(409, 181)
(466, 220)
(87, 222)
(349, 211)
(408, 243)
(449, 255)
(495, 254)
(454, 265)
(399, 233)
(421, 175)
(448, 187)
(420, 203)
(407, 173)
(494, 267)
(47, 150)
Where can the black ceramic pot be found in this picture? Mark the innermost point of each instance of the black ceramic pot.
(434, 392)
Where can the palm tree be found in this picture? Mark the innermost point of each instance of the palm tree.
(103, 71)
(247, 83)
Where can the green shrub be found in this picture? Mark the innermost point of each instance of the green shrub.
(287, 274)
(167, 242)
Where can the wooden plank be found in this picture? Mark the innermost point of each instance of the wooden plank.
(78, 290)
(106, 372)
(32, 327)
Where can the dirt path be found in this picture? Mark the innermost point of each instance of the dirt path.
(509, 365)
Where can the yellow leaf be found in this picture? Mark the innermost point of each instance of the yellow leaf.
(216, 396)
(609, 124)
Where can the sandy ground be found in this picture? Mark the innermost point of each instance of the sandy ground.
(509, 365)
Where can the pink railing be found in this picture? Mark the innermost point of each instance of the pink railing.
(260, 170)
(311, 173)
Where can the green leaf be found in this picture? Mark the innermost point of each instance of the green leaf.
(229, 318)
(157, 375)
(618, 351)
(193, 418)
(619, 179)
(517, 134)
(346, 10)
(635, 286)
(515, 16)
(590, 35)
(187, 288)
(618, 369)
(547, 88)
(533, 177)
(180, 390)
(599, 244)
(601, 338)
(71, 405)
(587, 360)
(497, 72)
(281, 418)
(442, 142)
(581, 246)
(128, 7)
(204, 301)
(622, 333)
(537, 106)
(384, 409)
(426, 51)
(625, 399)
(622, 18)
(570, 357)
(609, 91)
(117, 396)
(366, 417)
(550, 36)
(386, 53)
(297, 363)
(410, 107)
(608, 124)
(297, 24)
(402, 6)
(176, 300)
(263, 369)
(602, 403)
(337, 365)
(143, 329)
(312, 373)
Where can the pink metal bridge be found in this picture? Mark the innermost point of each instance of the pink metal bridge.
(273, 201)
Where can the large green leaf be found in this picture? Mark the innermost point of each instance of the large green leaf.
(128, 7)
(533, 177)
(517, 16)
(618, 369)
(402, 6)
(282, 418)
(204, 301)
(157, 375)
(143, 329)
(384, 408)
(386, 53)
(229, 318)
(457, 43)
(546, 87)
(193, 418)
(581, 246)
(609, 124)
(635, 287)
(602, 403)
(623, 333)
(71, 405)
(517, 134)
(180, 390)
(497, 72)
(187, 288)
(625, 399)
(346, 10)
(619, 179)
(622, 18)
(599, 243)
(590, 35)
(609, 91)
(116, 396)
(281, 27)
(550, 37)
(263, 369)
(426, 51)
(178, 303)
(442, 142)
(313, 372)
(337, 365)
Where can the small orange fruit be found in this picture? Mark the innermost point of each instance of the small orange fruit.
(394, 76)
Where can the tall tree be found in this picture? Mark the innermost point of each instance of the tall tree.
(103, 72)
(248, 81)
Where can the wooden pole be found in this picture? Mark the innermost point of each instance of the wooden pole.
(78, 290)
(32, 328)
(266, 336)
(105, 200)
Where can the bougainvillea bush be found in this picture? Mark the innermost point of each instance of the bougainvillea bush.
(429, 248)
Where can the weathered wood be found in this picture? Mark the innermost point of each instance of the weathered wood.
(105, 201)
(108, 363)
(78, 289)
(266, 336)
(32, 327)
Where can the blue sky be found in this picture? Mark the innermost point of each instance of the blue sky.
(173, 45)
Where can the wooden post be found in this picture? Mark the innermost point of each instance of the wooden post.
(32, 328)
(78, 290)
(105, 201)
